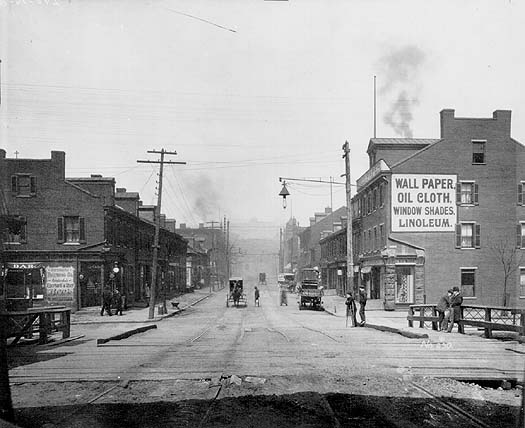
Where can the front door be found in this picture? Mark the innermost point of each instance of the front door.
(405, 284)
(375, 283)
(90, 284)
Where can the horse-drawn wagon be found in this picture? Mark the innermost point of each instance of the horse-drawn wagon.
(236, 295)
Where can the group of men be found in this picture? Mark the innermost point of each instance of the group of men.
(351, 307)
(112, 299)
(448, 309)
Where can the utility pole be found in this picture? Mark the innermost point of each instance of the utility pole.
(6, 403)
(228, 258)
(349, 250)
(153, 289)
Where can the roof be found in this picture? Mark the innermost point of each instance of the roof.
(402, 142)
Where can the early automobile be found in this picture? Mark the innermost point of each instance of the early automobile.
(310, 292)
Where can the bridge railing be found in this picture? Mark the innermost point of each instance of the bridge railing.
(489, 318)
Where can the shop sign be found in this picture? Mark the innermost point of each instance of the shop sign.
(24, 265)
(423, 202)
(60, 282)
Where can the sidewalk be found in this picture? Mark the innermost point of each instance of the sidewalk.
(91, 315)
(379, 319)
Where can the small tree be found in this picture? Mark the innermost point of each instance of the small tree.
(510, 258)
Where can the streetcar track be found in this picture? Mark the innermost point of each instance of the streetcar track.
(458, 411)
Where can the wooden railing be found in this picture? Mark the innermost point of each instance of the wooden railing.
(490, 318)
(43, 321)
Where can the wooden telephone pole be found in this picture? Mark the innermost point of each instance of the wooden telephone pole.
(349, 249)
(153, 288)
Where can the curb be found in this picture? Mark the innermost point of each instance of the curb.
(126, 334)
(409, 334)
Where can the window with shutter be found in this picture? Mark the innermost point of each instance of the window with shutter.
(23, 185)
(468, 235)
(521, 199)
(520, 235)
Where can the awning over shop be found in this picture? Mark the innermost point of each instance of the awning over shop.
(366, 269)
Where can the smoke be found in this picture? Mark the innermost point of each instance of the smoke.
(400, 86)
(207, 203)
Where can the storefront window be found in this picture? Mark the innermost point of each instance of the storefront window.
(404, 284)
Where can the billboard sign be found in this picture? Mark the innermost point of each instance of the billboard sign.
(424, 202)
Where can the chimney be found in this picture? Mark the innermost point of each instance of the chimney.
(328, 210)
(182, 226)
(121, 190)
(2, 154)
(96, 175)
(312, 221)
(59, 159)
(201, 225)
(447, 116)
(503, 119)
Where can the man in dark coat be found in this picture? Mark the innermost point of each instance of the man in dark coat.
(455, 308)
(107, 296)
(442, 306)
(117, 302)
(362, 304)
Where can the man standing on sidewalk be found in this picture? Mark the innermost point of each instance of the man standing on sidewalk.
(362, 304)
(107, 297)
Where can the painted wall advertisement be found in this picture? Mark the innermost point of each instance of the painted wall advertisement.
(423, 203)
(60, 283)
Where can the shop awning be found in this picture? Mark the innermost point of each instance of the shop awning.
(366, 269)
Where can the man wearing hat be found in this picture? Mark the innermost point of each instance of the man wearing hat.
(442, 309)
(455, 308)
(362, 304)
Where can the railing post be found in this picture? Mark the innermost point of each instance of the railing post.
(488, 319)
(434, 323)
(66, 321)
(422, 317)
(410, 316)
(43, 327)
(461, 328)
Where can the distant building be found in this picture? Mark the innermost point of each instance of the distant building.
(430, 214)
(210, 238)
(78, 235)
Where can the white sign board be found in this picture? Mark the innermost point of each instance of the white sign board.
(423, 203)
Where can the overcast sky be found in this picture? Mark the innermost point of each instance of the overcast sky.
(247, 91)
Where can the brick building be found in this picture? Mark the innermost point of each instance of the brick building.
(212, 240)
(430, 214)
(75, 238)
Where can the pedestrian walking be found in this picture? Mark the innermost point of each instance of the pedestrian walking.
(443, 309)
(106, 301)
(118, 302)
(256, 296)
(351, 309)
(455, 309)
(362, 304)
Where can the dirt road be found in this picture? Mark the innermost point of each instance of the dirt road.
(271, 365)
